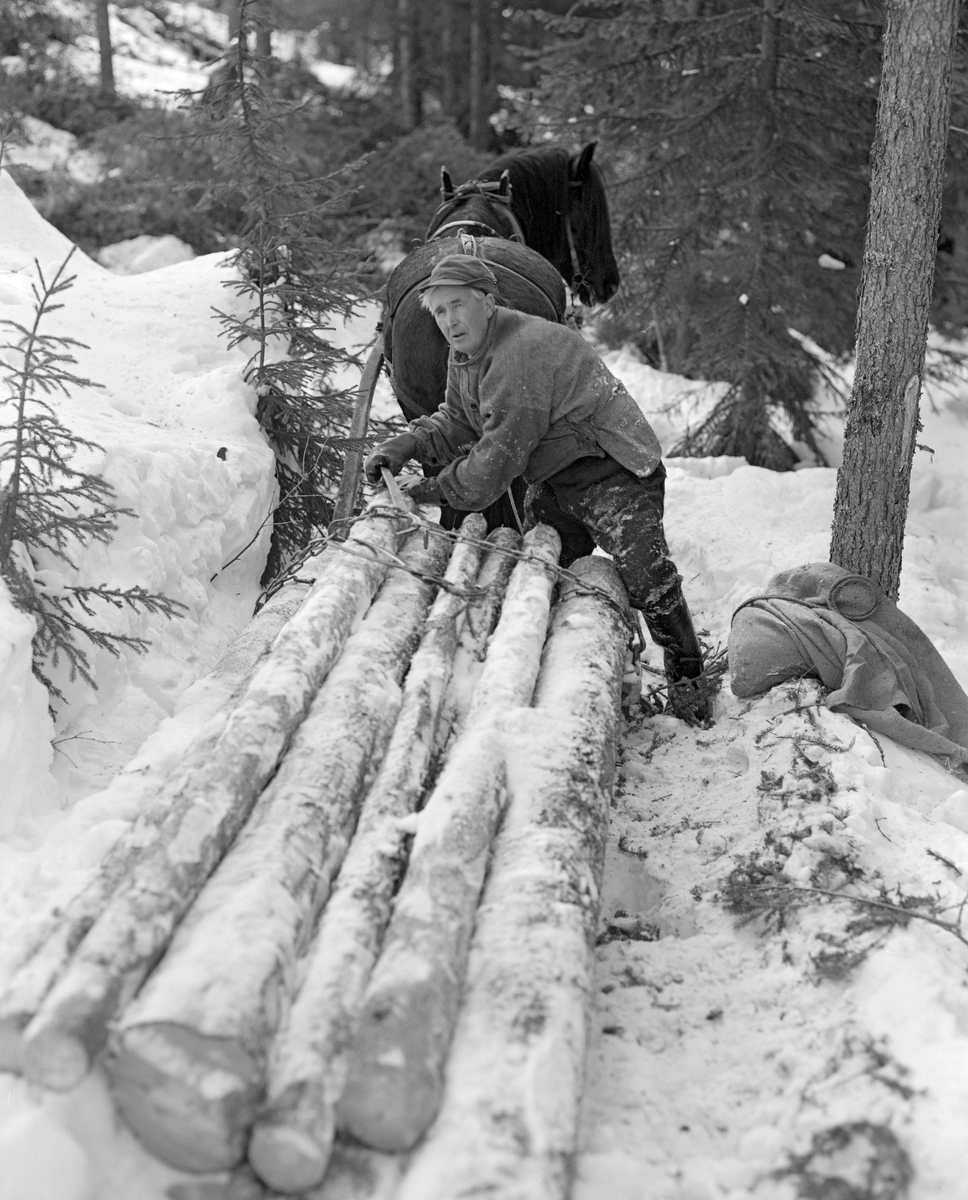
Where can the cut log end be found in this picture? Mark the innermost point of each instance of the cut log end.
(288, 1159)
(55, 1058)
(389, 1103)
(12, 1044)
(190, 1099)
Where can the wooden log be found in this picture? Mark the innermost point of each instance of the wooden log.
(293, 1138)
(31, 967)
(349, 484)
(393, 1087)
(499, 562)
(187, 1061)
(508, 1122)
(206, 810)
(359, 1173)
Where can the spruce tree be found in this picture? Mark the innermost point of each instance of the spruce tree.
(49, 506)
(294, 278)
(738, 135)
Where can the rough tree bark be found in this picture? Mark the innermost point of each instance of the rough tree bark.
(187, 1062)
(207, 810)
(508, 1123)
(907, 175)
(395, 1077)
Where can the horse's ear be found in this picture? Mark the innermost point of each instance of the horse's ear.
(446, 185)
(504, 183)
(579, 167)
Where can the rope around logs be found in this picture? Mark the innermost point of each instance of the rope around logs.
(417, 523)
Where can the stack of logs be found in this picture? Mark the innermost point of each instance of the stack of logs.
(366, 900)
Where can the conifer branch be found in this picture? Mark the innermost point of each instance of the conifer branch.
(50, 507)
(291, 281)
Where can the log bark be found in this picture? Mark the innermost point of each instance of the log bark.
(495, 573)
(32, 967)
(508, 1123)
(393, 1087)
(206, 811)
(187, 1061)
(293, 1138)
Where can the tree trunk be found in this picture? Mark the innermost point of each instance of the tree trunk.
(105, 50)
(233, 9)
(395, 1077)
(477, 71)
(207, 810)
(263, 28)
(35, 964)
(508, 1123)
(292, 1142)
(451, 65)
(407, 64)
(188, 1060)
(907, 172)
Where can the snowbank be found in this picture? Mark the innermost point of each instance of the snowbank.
(182, 449)
(144, 253)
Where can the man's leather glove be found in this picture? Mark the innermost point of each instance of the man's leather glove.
(421, 491)
(392, 455)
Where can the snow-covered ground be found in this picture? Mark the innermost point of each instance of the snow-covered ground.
(729, 1059)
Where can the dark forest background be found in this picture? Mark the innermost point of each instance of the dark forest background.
(735, 139)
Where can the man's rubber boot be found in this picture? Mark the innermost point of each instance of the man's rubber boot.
(682, 655)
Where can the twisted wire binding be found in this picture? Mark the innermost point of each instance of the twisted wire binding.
(415, 523)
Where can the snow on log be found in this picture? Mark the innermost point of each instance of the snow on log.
(207, 807)
(292, 1141)
(499, 560)
(49, 942)
(508, 1121)
(187, 1062)
(395, 1076)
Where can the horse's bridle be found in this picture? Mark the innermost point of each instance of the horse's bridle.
(490, 190)
(578, 276)
(492, 195)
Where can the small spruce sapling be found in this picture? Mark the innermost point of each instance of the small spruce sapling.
(48, 505)
(292, 277)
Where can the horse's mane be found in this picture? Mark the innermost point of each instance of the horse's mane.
(564, 219)
(540, 182)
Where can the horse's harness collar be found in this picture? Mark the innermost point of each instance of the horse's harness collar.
(490, 190)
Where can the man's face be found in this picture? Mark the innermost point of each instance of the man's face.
(462, 314)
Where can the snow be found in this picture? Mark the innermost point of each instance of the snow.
(728, 1057)
(47, 148)
(144, 253)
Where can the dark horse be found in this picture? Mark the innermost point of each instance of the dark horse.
(529, 209)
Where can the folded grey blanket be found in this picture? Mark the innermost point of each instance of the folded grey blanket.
(820, 620)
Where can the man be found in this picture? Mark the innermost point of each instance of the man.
(529, 397)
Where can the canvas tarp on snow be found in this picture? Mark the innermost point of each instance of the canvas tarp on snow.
(820, 620)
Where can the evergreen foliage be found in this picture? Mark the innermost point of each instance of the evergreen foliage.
(48, 505)
(739, 134)
(292, 275)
